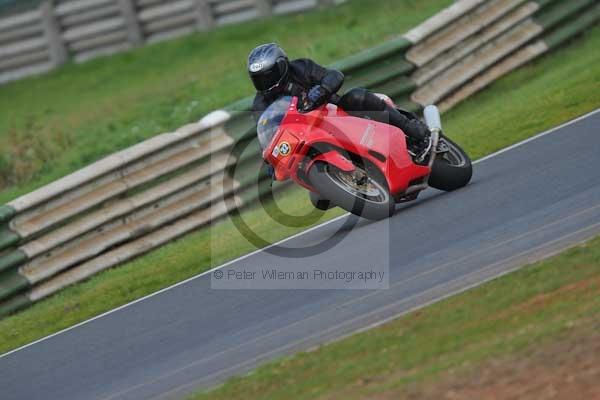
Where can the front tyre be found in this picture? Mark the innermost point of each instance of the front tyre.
(319, 202)
(451, 169)
(361, 193)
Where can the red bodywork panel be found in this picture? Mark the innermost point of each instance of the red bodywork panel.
(329, 126)
(332, 157)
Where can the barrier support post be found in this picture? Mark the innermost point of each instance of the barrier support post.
(132, 25)
(264, 7)
(205, 20)
(52, 32)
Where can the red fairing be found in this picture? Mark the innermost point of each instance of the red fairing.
(330, 128)
(333, 157)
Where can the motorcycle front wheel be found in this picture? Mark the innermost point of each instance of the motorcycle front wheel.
(360, 192)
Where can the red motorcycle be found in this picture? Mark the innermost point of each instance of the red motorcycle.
(358, 164)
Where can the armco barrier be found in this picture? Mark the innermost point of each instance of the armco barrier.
(145, 196)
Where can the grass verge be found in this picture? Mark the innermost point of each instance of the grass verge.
(500, 320)
(552, 90)
(57, 123)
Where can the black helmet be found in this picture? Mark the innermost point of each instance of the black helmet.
(268, 66)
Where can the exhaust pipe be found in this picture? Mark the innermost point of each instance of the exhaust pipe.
(434, 122)
(432, 118)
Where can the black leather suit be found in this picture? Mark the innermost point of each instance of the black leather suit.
(305, 73)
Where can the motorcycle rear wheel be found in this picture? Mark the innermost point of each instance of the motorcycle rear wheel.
(370, 199)
(451, 170)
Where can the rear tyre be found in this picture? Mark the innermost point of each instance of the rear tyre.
(452, 169)
(367, 197)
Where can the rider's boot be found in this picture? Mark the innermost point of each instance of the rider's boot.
(414, 128)
(419, 137)
(423, 149)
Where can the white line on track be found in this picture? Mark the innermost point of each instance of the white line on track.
(280, 242)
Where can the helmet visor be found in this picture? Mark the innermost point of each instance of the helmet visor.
(268, 79)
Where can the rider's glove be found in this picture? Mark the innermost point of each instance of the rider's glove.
(317, 94)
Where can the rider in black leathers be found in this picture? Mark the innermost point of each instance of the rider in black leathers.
(273, 75)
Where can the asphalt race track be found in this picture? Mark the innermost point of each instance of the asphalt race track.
(524, 204)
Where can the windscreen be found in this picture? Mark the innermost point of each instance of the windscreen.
(269, 121)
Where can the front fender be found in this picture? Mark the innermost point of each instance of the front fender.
(334, 158)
